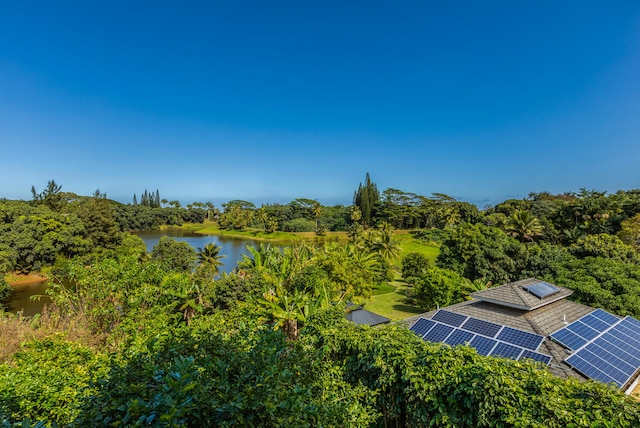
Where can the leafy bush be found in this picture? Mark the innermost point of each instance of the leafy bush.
(440, 287)
(414, 265)
(47, 379)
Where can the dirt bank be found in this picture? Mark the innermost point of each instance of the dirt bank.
(17, 279)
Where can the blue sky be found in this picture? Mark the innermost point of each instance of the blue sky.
(271, 101)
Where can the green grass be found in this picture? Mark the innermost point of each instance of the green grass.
(211, 228)
(383, 289)
(392, 304)
(409, 244)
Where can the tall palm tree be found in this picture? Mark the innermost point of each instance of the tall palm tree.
(523, 226)
(317, 210)
(210, 256)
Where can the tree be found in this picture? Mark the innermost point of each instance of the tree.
(523, 225)
(98, 221)
(366, 198)
(440, 287)
(287, 309)
(603, 245)
(317, 210)
(630, 232)
(414, 265)
(479, 252)
(51, 196)
(174, 255)
(386, 248)
(135, 199)
(209, 258)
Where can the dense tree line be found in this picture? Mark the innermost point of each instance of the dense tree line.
(299, 215)
(140, 217)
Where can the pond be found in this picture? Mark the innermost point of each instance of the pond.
(23, 296)
(231, 248)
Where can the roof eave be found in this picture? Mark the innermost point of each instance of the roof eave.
(503, 303)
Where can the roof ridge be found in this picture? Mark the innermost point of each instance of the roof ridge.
(516, 288)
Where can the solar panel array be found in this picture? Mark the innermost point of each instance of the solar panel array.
(605, 347)
(486, 337)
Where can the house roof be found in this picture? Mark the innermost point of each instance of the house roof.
(544, 319)
(515, 295)
(362, 316)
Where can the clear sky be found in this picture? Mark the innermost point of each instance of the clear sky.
(270, 101)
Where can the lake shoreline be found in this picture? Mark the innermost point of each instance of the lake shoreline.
(26, 279)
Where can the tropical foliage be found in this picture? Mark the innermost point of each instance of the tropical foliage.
(165, 340)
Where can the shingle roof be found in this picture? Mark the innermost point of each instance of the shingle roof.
(516, 296)
(543, 320)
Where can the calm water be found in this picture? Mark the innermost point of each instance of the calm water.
(23, 298)
(231, 248)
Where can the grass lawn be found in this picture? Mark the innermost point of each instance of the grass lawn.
(391, 303)
(409, 244)
(211, 228)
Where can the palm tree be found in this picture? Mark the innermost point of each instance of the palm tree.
(523, 225)
(385, 245)
(210, 258)
(263, 217)
(317, 210)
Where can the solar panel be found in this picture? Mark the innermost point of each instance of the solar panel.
(603, 366)
(589, 370)
(438, 333)
(628, 328)
(483, 345)
(606, 347)
(568, 339)
(482, 327)
(595, 323)
(542, 289)
(450, 318)
(422, 326)
(583, 330)
(546, 359)
(619, 352)
(459, 337)
(521, 338)
(441, 328)
(628, 345)
(605, 316)
(632, 322)
(507, 351)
